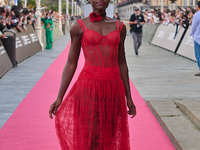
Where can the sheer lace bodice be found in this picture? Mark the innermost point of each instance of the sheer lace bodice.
(101, 53)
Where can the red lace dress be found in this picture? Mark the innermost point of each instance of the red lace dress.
(93, 116)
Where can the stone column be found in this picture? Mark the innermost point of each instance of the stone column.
(67, 7)
(25, 3)
(161, 5)
(59, 11)
(38, 28)
(75, 7)
(72, 8)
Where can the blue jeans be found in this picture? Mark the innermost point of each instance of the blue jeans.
(197, 52)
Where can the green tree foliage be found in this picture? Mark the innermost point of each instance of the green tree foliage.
(49, 3)
(53, 5)
(31, 3)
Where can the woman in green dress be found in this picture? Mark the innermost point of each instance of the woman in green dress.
(48, 26)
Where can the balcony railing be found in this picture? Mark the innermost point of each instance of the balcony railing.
(126, 2)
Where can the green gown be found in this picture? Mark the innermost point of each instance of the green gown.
(49, 34)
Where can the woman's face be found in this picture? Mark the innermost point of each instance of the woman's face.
(99, 4)
(190, 14)
(12, 13)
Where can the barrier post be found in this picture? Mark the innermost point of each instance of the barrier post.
(9, 44)
(38, 28)
(181, 39)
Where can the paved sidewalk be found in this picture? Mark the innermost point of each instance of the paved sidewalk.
(17, 83)
(160, 75)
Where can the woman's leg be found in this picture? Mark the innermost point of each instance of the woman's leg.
(51, 38)
(48, 40)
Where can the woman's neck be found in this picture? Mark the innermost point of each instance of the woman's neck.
(99, 11)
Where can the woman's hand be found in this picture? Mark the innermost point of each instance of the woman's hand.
(54, 107)
(132, 108)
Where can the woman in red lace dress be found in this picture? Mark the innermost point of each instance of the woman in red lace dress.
(93, 116)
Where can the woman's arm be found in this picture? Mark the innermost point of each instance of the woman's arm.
(124, 73)
(70, 66)
(43, 21)
(51, 23)
(133, 22)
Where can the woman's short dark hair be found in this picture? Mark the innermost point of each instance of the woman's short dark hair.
(88, 1)
(198, 4)
(17, 13)
(186, 16)
(2, 10)
(187, 12)
(193, 11)
(25, 11)
(14, 7)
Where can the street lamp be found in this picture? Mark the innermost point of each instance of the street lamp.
(38, 28)
(173, 1)
(172, 5)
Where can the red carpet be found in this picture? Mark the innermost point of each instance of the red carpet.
(29, 127)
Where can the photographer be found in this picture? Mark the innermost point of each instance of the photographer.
(136, 21)
(2, 17)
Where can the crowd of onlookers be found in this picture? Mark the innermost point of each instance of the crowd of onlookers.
(13, 17)
(165, 17)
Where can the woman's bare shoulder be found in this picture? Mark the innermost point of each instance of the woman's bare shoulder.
(86, 19)
(111, 19)
(75, 28)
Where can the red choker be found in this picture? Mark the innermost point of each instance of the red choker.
(96, 17)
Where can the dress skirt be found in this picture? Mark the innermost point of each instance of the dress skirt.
(49, 38)
(93, 116)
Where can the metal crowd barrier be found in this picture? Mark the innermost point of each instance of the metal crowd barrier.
(17, 47)
(164, 37)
